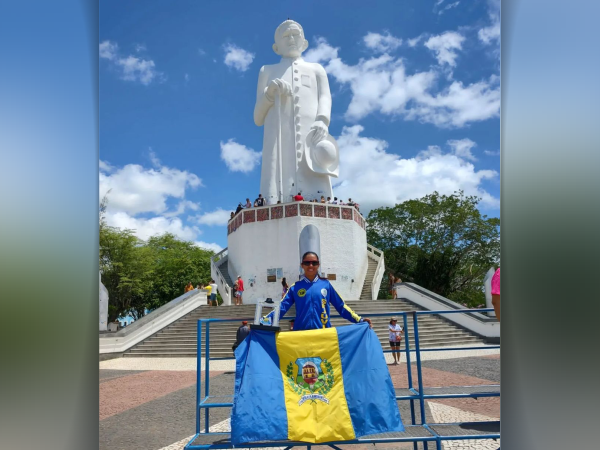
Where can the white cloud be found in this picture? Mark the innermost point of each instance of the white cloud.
(130, 68)
(186, 77)
(382, 43)
(447, 7)
(146, 228)
(140, 48)
(491, 33)
(492, 153)
(201, 52)
(182, 206)
(108, 50)
(209, 246)
(135, 189)
(104, 166)
(462, 148)
(382, 85)
(237, 57)
(322, 52)
(414, 41)
(444, 46)
(217, 217)
(238, 157)
(374, 177)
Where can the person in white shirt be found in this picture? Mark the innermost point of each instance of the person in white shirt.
(213, 293)
(396, 332)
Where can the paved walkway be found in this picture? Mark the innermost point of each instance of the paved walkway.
(148, 403)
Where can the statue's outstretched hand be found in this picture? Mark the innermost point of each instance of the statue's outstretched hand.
(321, 131)
(278, 86)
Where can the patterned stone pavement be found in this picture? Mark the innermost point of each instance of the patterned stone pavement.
(148, 403)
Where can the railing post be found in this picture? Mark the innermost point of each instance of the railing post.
(419, 374)
(207, 375)
(198, 374)
(409, 371)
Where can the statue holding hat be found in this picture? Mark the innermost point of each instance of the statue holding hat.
(293, 103)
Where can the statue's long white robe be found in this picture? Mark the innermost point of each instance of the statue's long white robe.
(311, 100)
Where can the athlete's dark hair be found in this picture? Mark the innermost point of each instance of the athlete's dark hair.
(313, 253)
(309, 253)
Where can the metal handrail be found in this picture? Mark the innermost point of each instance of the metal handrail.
(418, 393)
(379, 270)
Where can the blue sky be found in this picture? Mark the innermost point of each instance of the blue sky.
(416, 104)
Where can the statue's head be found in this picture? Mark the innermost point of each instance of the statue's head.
(289, 39)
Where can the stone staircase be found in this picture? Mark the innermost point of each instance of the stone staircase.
(223, 267)
(179, 338)
(366, 290)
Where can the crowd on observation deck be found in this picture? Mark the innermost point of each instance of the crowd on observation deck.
(261, 201)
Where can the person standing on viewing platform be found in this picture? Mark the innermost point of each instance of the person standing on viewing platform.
(260, 201)
(188, 288)
(298, 198)
(313, 296)
(240, 290)
(395, 339)
(248, 204)
(239, 208)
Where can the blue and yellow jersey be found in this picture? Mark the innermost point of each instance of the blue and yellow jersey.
(312, 299)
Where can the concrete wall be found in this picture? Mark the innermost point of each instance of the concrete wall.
(478, 323)
(257, 246)
(152, 323)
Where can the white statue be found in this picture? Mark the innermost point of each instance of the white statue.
(293, 103)
(103, 305)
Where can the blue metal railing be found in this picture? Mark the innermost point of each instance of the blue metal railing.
(417, 394)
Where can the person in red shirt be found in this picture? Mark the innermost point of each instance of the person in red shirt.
(298, 197)
(240, 290)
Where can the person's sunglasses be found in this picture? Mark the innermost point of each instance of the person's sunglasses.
(310, 263)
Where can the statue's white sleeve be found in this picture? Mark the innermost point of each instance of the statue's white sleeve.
(263, 104)
(324, 108)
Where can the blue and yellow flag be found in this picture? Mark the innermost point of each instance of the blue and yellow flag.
(313, 386)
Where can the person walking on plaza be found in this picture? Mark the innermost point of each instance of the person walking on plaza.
(240, 291)
(241, 334)
(395, 339)
(213, 293)
(313, 295)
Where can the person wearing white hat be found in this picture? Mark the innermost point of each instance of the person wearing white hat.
(395, 339)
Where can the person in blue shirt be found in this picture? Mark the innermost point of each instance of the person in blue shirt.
(312, 296)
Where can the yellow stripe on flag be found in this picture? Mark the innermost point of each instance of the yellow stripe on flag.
(316, 405)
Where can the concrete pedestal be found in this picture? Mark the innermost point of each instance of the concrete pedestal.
(263, 247)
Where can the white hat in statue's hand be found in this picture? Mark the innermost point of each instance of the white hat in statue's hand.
(323, 157)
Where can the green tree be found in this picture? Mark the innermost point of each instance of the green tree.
(177, 263)
(442, 243)
(127, 267)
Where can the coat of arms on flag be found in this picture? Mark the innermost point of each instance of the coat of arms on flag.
(311, 382)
